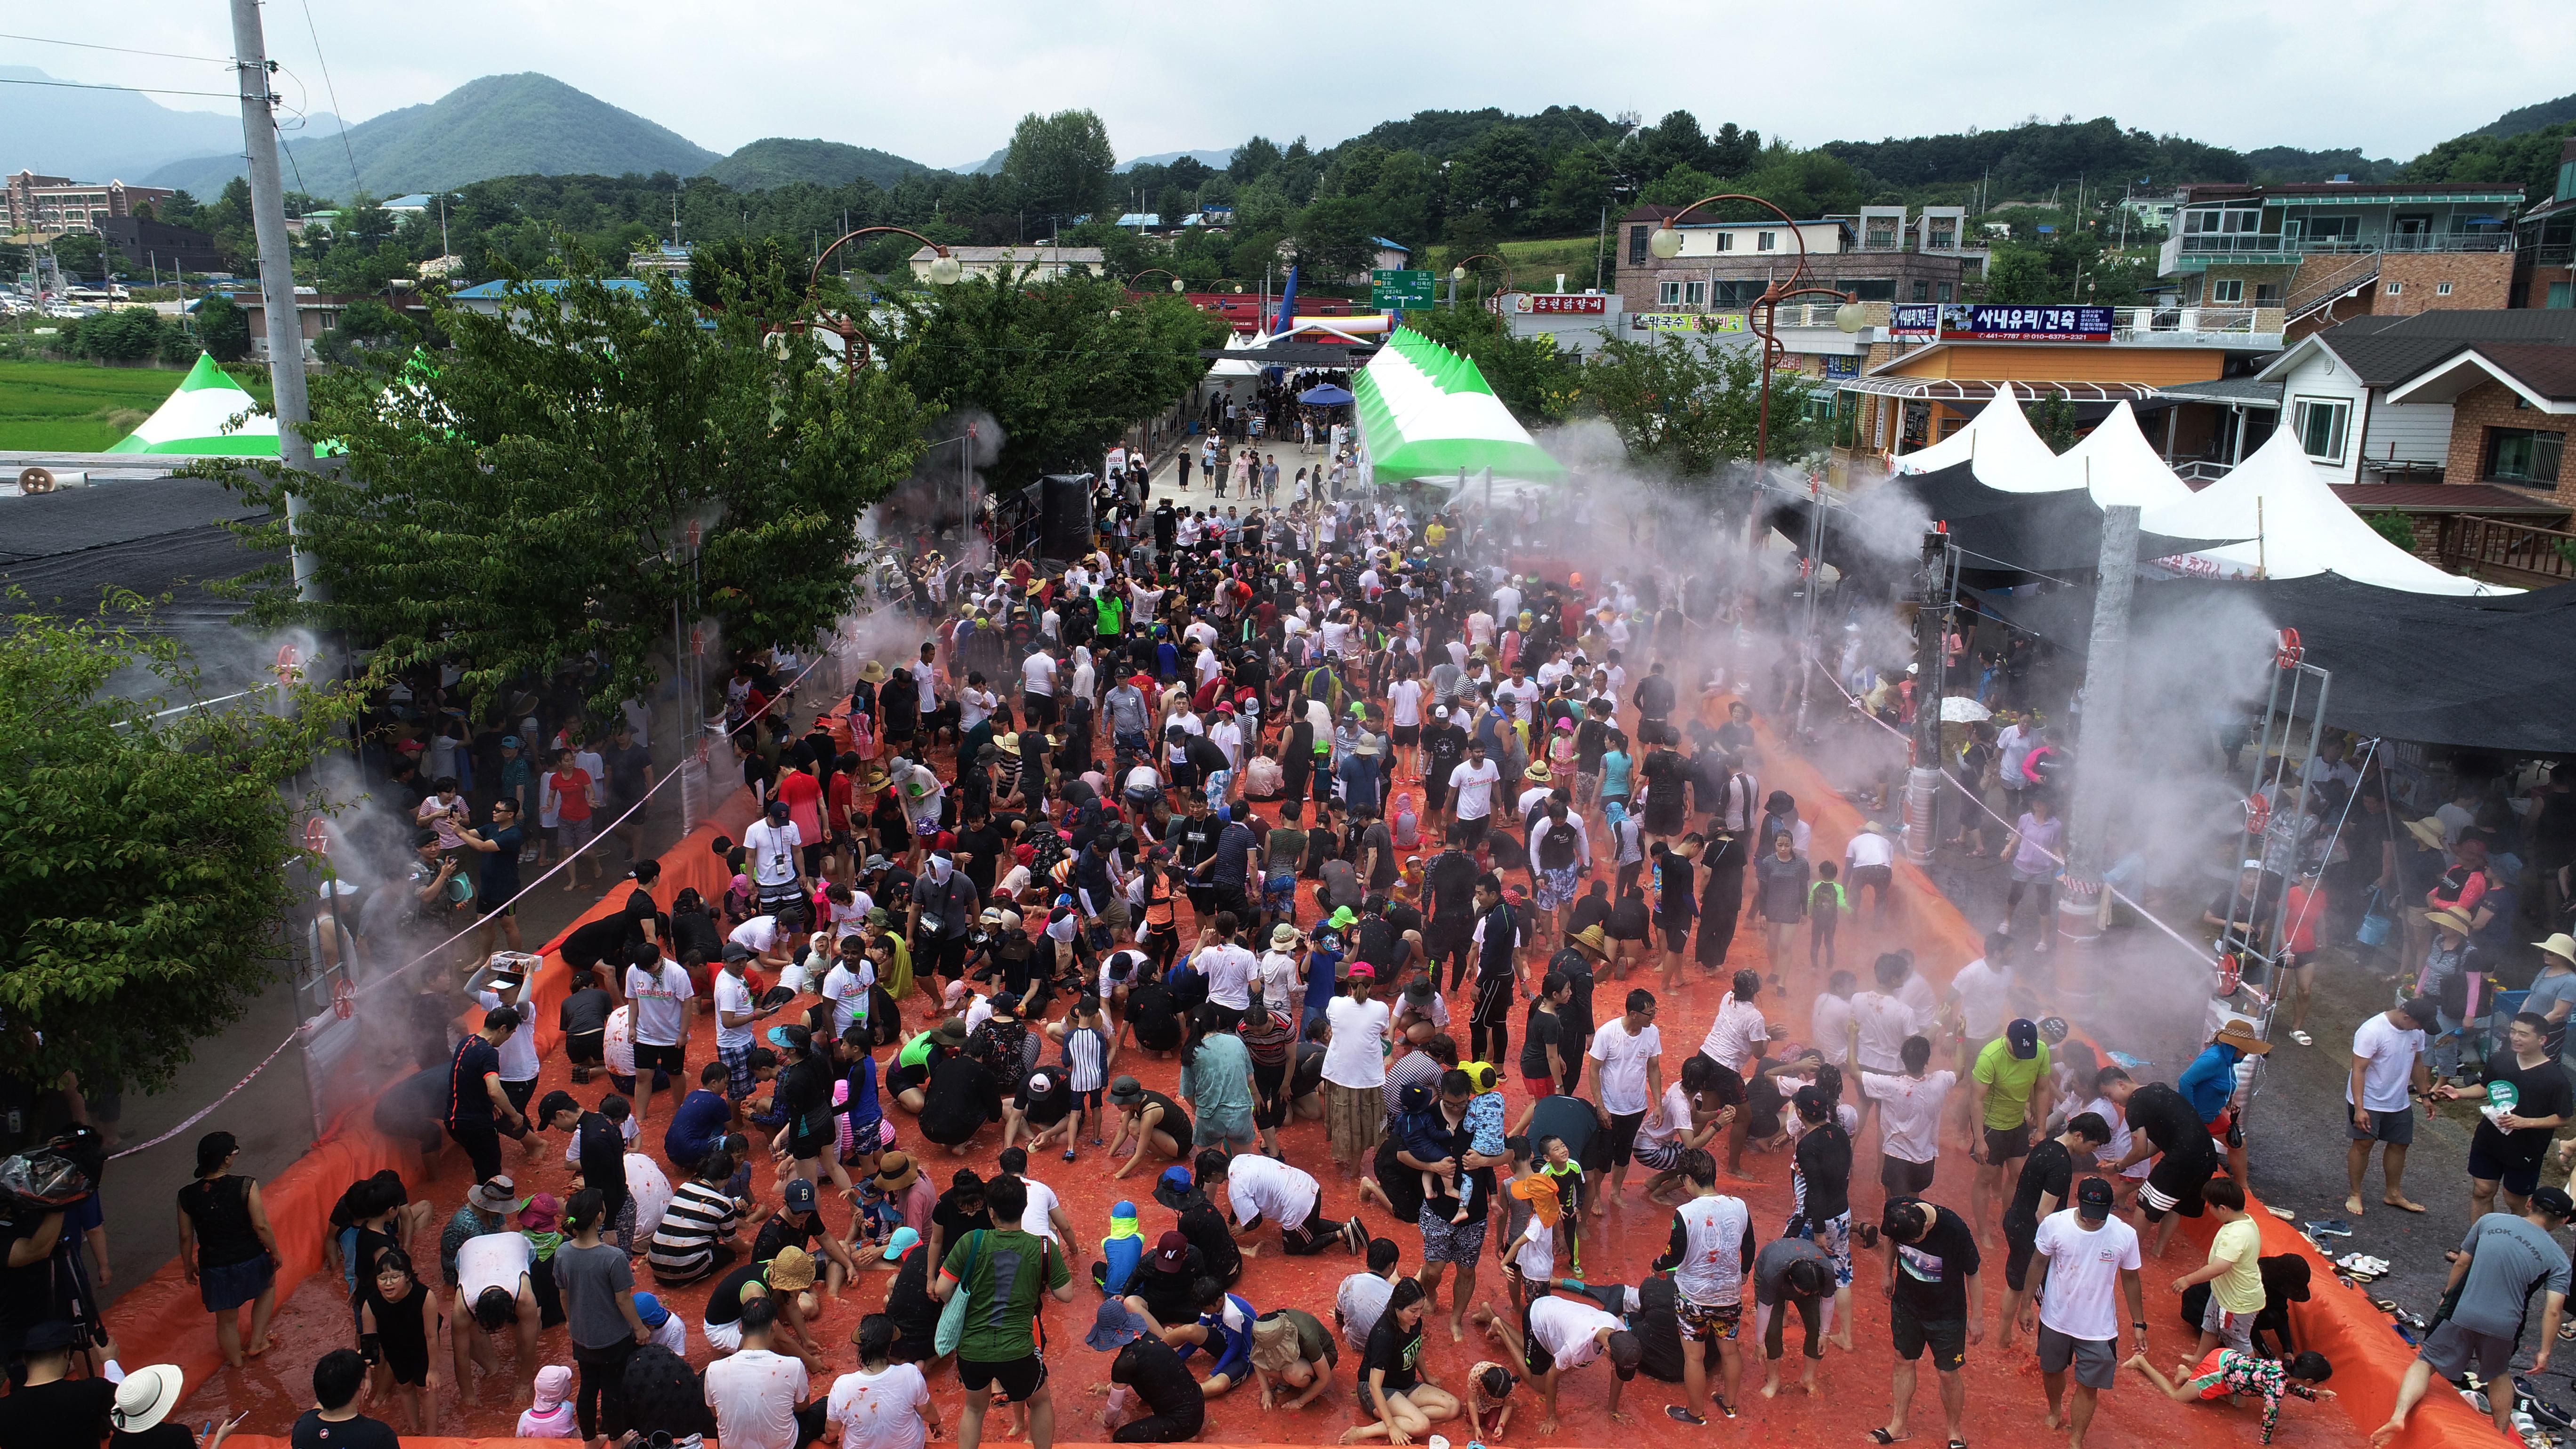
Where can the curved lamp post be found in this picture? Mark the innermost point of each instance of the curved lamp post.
(944, 271)
(1665, 242)
(1458, 273)
(1177, 284)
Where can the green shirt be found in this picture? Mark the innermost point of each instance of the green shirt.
(1002, 1273)
(2009, 1080)
(1113, 614)
(916, 1052)
(1217, 1083)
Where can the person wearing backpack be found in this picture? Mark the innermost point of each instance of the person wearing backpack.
(988, 1287)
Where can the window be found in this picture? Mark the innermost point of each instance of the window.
(1736, 295)
(2396, 287)
(2562, 295)
(1668, 294)
(1876, 290)
(1726, 241)
(2227, 290)
(1768, 241)
(2523, 455)
(1694, 294)
(2441, 289)
(1637, 245)
(2320, 424)
(1944, 238)
(2267, 294)
(1944, 291)
(1923, 291)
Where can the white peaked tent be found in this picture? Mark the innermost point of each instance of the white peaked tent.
(199, 419)
(1998, 440)
(2298, 527)
(2117, 462)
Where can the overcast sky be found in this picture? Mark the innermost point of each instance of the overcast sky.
(943, 84)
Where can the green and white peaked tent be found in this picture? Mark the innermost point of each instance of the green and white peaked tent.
(198, 418)
(1426, 412)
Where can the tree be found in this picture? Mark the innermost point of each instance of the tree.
(1332, 239)
(223, 328)
(1577, 190)
(1063, 365)
(529, 500)
(1538, 383)
(128, 334)
(366, 325)
(1680, 187)
(2018, 274)
(1676, 140)
(2398, 529)
(1500, 174)
(144, 886)
(1687, 409)
(1253, 160)
(2052, 417)
(1061, 164)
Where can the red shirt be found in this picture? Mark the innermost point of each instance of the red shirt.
(804, 797)
(572, 794)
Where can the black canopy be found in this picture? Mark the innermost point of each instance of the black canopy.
(2480, 672)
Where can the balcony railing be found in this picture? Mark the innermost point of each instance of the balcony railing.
(2272, 244)
(2506, 551)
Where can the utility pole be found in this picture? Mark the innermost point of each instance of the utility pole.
(1923, 781)
(276, 275)
(2106, 663)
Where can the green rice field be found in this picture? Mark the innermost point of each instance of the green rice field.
(80, 407)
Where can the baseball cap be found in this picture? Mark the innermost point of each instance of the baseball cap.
(1626, 1352)
(2093, 1199)
(1171, 1251)
(2421, 1010)
(650, 1309)
(2023, 1033)
(2554, 1201)
(800, 1195)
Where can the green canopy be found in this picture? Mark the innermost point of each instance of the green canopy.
(1427, 412)
(201, 418)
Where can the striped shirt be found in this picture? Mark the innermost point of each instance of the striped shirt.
(684, 1246)
(1083, 1058)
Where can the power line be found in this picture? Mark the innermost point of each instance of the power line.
(119, 49)
(138, 90)
(333, 92)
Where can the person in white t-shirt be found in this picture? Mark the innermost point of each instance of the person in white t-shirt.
(754, 1392)
(2083, 1252)
(1628, 1057)
(735, 1012)
(1262, 1190)
(1355, 1068)
(1908, 1106)
(1565, 1334)
(1471, 787)
(1404, 721)
(885, 1405)
(660, 990)
(1981, 994)
(1044, 1217)
(848, 984)
(2388, 1069)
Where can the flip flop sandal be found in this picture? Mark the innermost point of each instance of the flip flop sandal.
(2302, 1038)
(1881, 1436)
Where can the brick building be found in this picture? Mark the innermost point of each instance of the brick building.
(2512, 407)
(158, 247)
(29, 202)
(2330, 251)
(1724, 265)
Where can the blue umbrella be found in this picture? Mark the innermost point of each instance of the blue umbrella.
(1325, 396)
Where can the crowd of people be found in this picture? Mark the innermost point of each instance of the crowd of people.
(1188, 858)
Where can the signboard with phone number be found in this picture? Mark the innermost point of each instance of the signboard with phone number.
(1987, 322)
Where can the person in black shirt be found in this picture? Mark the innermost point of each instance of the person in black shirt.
(338, 1419)
(1497, 971)
(1449, 881)
(1391, 1383)
(959, 1211)
(1676, 903)
(1930, 1275)
(1629, 924)
(1584, 951)
(1722, 856)
(1592, 908)
(476, 1103)
(1444, 748)
(1543, 1043)
(50, 1411)
(957, 1100)
(1165, 1286)
(2046, 1182)
(1154, 1372)
(2162, 1124)
(1204, 1227)
(1823, 1191)
(2530, 1092)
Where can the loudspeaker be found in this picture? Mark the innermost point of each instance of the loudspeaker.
(1064, 515)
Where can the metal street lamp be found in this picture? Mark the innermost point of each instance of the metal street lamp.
(1665, 242)
(944, 271)
(1177, 284)
(1458, 273)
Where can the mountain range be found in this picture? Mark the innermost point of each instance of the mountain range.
(527, 123)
